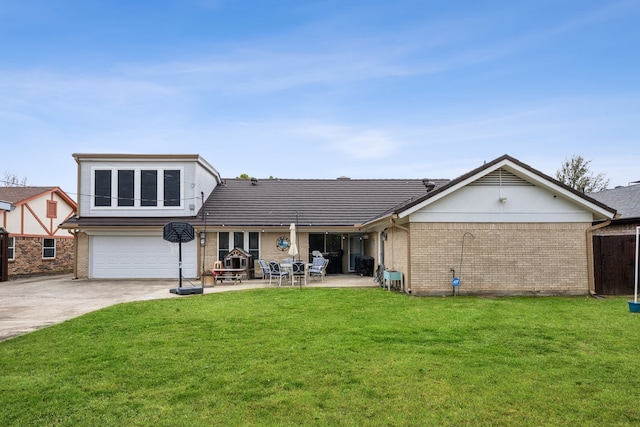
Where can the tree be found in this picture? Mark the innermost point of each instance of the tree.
(12, 180)
(244, 176)
(576, 174)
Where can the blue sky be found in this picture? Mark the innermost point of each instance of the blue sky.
(321, 89)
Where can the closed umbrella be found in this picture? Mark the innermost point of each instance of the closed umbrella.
(293, 249)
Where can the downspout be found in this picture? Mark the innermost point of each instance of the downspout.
(591, 279)
(408, 275)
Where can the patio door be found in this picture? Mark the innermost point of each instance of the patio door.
(356, 248)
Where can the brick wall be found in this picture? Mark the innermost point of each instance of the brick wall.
(268, 249)
(396, 250)
(82, 262)
(499, 259)
(617, 229)
(29, 262)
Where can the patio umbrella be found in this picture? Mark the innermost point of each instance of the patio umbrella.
(293, 249)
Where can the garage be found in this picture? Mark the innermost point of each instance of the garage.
(140, 257)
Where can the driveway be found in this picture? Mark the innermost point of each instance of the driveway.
(30, 304)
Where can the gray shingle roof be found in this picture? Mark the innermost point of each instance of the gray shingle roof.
(318, 202)
(626, 200)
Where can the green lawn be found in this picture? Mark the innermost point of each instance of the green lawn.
(348, 357)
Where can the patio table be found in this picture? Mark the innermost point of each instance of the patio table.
(234, 274)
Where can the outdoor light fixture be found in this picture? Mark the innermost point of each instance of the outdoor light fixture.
(203, 238)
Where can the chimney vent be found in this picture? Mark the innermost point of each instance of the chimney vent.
(430, 185)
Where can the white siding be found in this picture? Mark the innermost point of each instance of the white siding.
(505, 204)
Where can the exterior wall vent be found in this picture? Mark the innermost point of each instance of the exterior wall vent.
(501, 177)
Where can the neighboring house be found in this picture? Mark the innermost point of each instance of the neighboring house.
(503, 228)
(36, 244)
(614, 242)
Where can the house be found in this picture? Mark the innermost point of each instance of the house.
(124, 201)
(614, 241)
(503, 228)
(31, 217)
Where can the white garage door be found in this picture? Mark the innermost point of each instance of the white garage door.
(140, 257)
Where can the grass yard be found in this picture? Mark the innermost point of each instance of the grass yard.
(348, 357)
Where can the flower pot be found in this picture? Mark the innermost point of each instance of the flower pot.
(634, 307)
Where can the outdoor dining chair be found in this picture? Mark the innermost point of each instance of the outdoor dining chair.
(266, 273)
(299, 271)
(319, 267)
(276, 271)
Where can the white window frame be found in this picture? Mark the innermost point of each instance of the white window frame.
(245, 243)
(44, 239)
(12, 248)
(137, 187)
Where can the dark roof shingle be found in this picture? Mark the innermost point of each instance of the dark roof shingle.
(626, 200)
(317, 202)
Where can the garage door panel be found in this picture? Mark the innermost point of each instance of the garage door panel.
(140, 257)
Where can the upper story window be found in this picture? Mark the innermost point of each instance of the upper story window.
(172, 187)
(126, 195)
(102, 188)
(137, 187)
(149, 188)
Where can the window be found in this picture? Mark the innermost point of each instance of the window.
(137, 187)
(172, 188)
(238, 239)
(125, 188)
(326, 242)
(249, 242)
(254, 244)
(149, 188)
(102, 188)
(223, 245)
(48, 248)
(12, 248)
(52, 209)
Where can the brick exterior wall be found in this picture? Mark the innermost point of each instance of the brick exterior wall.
(500, 258)
(616, 229)
(29, 262)
(82, 262)
(268, 250)
(396, 254)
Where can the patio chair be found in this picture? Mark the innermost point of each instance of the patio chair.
(276, 271)
(299, 271)
(319, 267)
(266, 273)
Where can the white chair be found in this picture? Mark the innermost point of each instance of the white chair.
(319, 267)
(266, 273)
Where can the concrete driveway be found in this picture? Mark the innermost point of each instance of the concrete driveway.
(30, 304)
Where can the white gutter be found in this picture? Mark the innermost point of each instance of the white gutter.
(6, 206)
